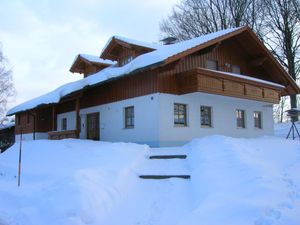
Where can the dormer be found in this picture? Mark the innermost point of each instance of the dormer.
(124, 50)
(89, 64)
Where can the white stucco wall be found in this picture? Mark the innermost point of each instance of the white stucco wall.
(154, 119)
(223, 117)
(112, 120)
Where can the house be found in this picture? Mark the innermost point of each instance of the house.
(220, 83)
(7, 135)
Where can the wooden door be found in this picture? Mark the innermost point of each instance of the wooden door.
(92, 126)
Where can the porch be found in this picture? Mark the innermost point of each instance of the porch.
(69, 103)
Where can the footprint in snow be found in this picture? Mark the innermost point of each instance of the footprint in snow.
(294, 193)
(270, 215)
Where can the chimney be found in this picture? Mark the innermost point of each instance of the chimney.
(169, 40)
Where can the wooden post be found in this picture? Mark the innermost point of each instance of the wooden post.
(77, 108)
(20, 159)
(34, 123)
(53, 118)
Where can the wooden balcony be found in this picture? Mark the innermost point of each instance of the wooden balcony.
(215, 82)
(58, 135)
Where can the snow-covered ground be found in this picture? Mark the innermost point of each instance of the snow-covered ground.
(234, 181)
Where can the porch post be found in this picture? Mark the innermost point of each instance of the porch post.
(53, 118)
(77, 108)
(34, 123)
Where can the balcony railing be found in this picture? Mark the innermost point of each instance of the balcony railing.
(58, 135)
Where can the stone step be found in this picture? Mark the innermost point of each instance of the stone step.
(167, 157)
(158, 177)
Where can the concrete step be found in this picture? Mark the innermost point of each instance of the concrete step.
(167, 157)
(158, 177)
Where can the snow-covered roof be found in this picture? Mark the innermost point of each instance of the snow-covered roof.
(7, 125)
(247, 78)
(96, 59)
(131, 41)
(155, 57)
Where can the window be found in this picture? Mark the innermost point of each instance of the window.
(28, 117)
(64, 124)
(212, 64)
(125, 60)
(180, 115)
(129, 117)
(236, 69)
(257, 119)
(240, 118)
(205, 116)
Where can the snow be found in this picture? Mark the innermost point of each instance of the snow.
(148, 59)
(131, 41)
(97, 59)
(234, 181)
(247, 78)
(7, 125)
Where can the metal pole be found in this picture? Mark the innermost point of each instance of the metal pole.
(289, 132)
(20, 159)
(293, 130)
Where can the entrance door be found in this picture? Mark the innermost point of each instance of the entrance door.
(92, 126)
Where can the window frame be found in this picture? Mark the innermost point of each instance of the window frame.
(210, 117)
(212, 60)
(236, 66)
(178, 124)
(243, 118)
(130, 116)
(64, 123)
(260, 120)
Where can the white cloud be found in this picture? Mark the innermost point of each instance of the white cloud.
(41, 38)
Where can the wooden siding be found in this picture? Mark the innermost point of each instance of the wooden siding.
(91, 69)
(40, 121)
(120, 89)
(21, 122)
(227, 54)
(234, 88)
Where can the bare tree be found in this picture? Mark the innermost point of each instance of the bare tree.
(192, 18)
(282, 36)
(280, 108)
(7, 90)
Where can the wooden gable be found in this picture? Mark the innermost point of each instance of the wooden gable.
(123, 52)
(260, 62)
(83, 66)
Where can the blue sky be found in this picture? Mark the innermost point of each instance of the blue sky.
(41, 38)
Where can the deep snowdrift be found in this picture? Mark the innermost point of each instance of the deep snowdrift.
(234, 181)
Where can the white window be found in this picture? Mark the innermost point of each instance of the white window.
(212, 64)
(236, 69)
(205, 116)
(180, 115)
(240, 118)
(129, 117)
(257, 119)
(64, 123)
